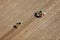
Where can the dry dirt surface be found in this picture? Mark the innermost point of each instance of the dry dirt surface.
(31, 28)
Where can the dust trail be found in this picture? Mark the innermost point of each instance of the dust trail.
(7, 34)
(22, 27)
